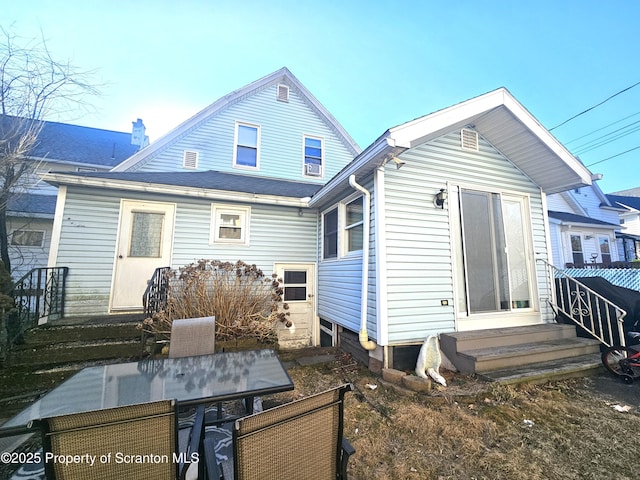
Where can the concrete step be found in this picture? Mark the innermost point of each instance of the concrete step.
(55, 334)
(78, 351)
(510, 356)
(500, 337)
(552, 370)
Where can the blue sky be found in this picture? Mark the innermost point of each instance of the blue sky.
(372, 64)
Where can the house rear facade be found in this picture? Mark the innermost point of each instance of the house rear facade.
(440, 225)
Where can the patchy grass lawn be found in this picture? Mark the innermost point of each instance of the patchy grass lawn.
(474, 430)
(468, 430)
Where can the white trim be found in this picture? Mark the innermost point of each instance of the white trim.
(57, 226)
(236, 145)
(244, 214)
(176, 190)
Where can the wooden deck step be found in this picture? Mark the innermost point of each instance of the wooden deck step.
(553, 370)
(483, 351)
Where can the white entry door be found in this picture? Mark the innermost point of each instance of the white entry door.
(144, 244)
(298, 283)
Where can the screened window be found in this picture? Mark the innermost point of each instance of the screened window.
(230, 225)
(330, 234)
(27, 238)
(247, 146)
(354, 225)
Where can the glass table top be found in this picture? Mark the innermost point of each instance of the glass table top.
(189, 380)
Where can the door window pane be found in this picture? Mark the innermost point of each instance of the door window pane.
(295, 285)
(146, 234)
(517, 253)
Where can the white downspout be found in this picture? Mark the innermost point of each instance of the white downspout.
(366, 206)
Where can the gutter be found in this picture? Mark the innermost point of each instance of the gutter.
(364, 336)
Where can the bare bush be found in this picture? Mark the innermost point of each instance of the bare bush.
(244, 301)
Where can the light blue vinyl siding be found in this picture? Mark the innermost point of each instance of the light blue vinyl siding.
(340, 280)
(88, 240)
(282, 129)
(23, 259)
(419, 251)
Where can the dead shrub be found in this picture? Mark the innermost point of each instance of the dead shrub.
(245, 302)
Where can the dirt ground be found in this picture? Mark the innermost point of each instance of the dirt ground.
(573, 429)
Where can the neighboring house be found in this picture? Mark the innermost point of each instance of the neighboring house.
(629, 235)
(436, 227)
(231, 183)
(583, 225)
(60, 147)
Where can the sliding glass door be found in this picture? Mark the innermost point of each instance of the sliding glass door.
(496, 260)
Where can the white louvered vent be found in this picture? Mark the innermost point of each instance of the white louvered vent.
(282, 93)
(313, 170)
(469, 139)
(190, 159)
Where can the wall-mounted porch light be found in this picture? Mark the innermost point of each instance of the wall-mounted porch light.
(440, 198)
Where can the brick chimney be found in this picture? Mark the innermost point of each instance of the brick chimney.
(138, 136)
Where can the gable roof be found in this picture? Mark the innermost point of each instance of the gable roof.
(502, 121)
(282, 76)
(209, 184)
(628, 203)
(572, 218)
(74, 144)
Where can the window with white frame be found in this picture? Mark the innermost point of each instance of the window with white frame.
(605, 250)
(230, 224)
(343, 228)
(27, 238)
(247, 146)
(354, 222)
(313, 152)
(330, 234)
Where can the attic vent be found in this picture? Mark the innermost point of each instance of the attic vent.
(283, 93)
(190, 159)
(469, 139)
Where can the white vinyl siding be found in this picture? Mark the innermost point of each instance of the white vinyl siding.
(88, 246)
(283, 127)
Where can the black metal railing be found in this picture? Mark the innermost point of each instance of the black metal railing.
(154, 298)
(38, 294)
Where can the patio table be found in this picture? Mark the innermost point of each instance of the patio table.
(189, 380)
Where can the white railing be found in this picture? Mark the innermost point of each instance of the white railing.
(601, 318)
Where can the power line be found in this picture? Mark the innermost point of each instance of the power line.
(595, 106)
(608, 138)
(614, 156)
(601, 128)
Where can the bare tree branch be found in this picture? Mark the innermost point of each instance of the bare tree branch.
(33, 84)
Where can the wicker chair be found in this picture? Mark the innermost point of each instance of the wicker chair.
(298, 440)
(135, 441)
(192, 336)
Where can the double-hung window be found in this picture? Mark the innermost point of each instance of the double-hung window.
(343, 229)
(230, 224)
(312, 157)
(354, 225)
(247, 146)
(330, 234)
